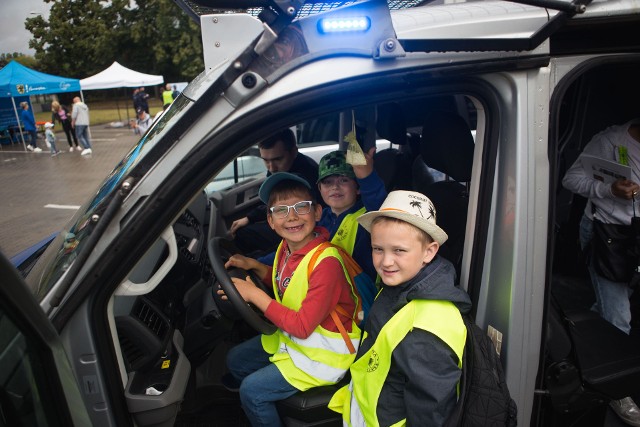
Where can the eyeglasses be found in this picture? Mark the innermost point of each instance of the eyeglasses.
(282, 211)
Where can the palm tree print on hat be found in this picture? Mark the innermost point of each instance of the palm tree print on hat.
(418, 205)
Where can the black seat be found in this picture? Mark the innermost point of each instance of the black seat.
(393, 164)
(447, 146)
(309, 408)
(588, 360)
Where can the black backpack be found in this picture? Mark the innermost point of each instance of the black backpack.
(484, 398)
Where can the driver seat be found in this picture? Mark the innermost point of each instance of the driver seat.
(309, 408)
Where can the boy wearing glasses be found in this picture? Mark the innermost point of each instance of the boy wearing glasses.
(308, 349)
(348, 192)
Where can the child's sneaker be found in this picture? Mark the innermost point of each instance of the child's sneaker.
(37, 150)
(29, 147)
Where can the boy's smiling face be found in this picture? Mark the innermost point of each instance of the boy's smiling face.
(398, 251)
(339, 192)
(295, 228)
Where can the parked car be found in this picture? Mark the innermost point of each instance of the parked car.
(486, 104)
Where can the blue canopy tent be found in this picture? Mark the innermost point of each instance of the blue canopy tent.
(16, 80)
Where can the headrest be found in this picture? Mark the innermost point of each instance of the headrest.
(390, 124)
(447, 145)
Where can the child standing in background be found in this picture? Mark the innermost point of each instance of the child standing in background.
(51, 138)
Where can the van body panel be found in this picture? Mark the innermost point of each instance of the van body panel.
(529, 113)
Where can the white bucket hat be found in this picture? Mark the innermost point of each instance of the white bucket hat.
(48, 125)
(409, 206)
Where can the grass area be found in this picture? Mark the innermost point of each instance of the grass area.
(107, 111)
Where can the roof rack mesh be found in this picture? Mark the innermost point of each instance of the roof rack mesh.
(307, 9)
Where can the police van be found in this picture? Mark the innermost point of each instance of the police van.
(485, 105)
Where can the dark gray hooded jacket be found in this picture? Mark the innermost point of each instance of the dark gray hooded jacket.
(421, 384)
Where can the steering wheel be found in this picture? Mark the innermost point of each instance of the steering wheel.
(219, 251)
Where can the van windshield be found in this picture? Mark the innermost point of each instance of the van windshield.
(65, 248)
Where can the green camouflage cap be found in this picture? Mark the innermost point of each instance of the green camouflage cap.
(334, 163)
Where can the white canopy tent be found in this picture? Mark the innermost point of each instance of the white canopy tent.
(119, 76)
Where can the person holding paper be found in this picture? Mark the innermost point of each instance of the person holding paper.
(610, 201)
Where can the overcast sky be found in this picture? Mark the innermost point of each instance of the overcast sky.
(13, 36)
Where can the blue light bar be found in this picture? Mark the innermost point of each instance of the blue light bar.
(344, 25)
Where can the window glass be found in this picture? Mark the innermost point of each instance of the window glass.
(249, 165)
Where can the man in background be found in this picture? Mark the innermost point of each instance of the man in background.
(280, 154)
(80, 122)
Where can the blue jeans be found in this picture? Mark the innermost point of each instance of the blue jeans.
(54, 149)
(612, 298)
(262, 384)
(82, 132)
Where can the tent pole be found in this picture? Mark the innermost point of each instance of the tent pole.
(15, 110)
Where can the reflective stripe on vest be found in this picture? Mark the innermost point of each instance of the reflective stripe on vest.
(358, 401)
(320, 359)
(345, 235)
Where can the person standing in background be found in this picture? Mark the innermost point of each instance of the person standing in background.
(143, 102)
(143, 122)
(614, 204)
(167, 96)
(80, 122)
(136, 99)
(51, 138)
(61, 114)
(30, 127)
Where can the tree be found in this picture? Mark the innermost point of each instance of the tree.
(83, 37)
(26, 60)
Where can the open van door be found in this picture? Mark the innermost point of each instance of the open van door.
(37, 385)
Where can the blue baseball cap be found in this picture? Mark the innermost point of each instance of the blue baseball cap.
(276, 178)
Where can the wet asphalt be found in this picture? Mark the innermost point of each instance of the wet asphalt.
(39, 194)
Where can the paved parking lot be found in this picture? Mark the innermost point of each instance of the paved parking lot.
(40, 193)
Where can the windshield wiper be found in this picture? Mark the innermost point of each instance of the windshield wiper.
(572, 8)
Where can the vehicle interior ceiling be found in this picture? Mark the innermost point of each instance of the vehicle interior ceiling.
(587, 360)
(184, 301)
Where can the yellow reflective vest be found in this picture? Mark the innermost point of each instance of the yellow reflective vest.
(345, 235)
(167, 97)
(320, 359)
(358, 401)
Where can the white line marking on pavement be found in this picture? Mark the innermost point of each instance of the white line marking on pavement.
(13, 159)
(53, 206)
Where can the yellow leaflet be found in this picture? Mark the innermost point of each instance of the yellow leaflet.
(355, 155)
